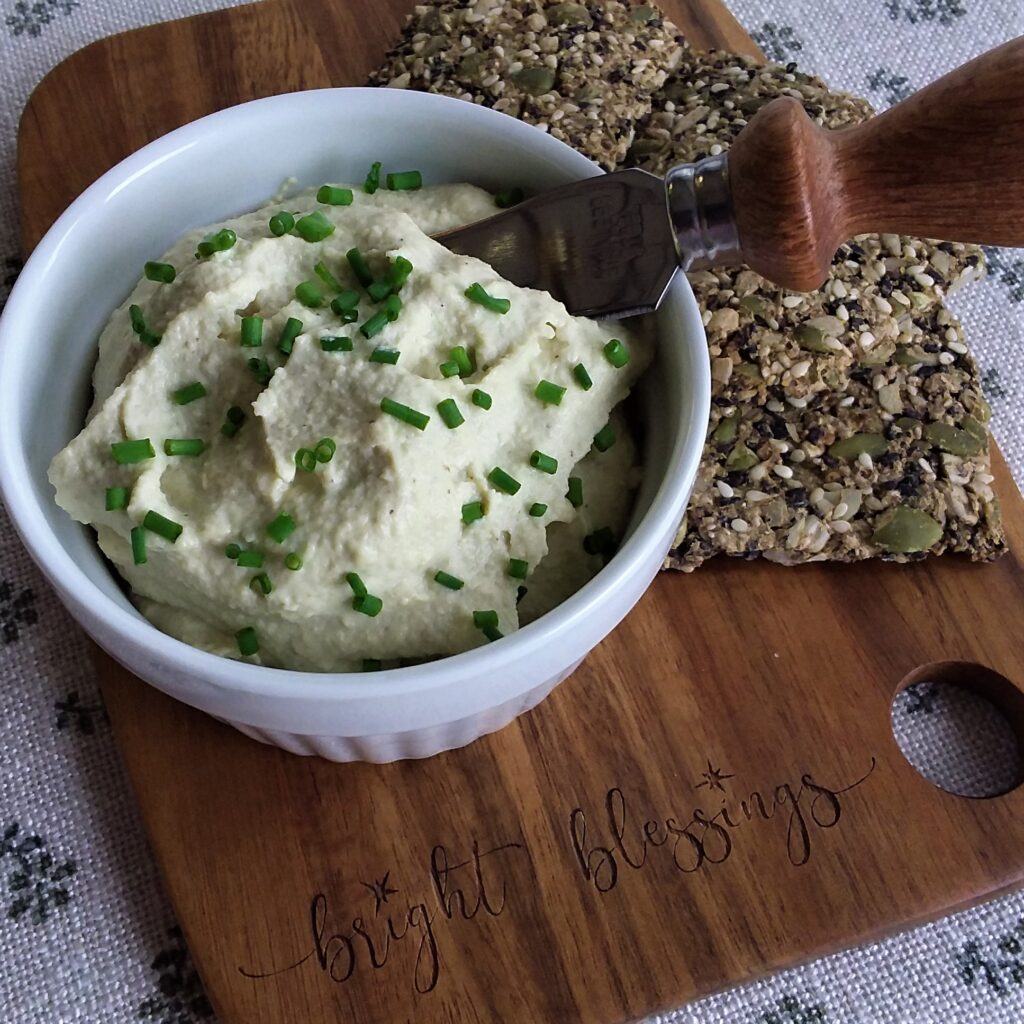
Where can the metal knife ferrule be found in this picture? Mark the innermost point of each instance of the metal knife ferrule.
(700, 205)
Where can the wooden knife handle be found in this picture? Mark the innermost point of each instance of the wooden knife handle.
(947, 163)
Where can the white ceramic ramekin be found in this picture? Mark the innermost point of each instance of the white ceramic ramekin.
(228, 163)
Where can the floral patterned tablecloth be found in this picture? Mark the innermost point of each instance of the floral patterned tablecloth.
(86, 934)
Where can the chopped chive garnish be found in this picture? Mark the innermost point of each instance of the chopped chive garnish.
(368, 604)
(511, 197)
(149, 339)
(449, 368)
(616, 354)
(324, 273)
(189, 393)
(281, 527)
(347, 316)
(261, 584)
(252, 331)
(537, 509)
(138, 536)
(404, 181)
(575, 492)
(371, 664)
(281, 223)
(604, 438)
(374, 325)
(448, 580)
(502, 481)
(305, 459)
(233, 421)
(162, 526)
(250, 559)
(232, 551)
(476, 293)
(462, 360)
(385, 355)
(472, 511)
(314, 227)
(518, 568)
(450, 413)
(481, 399)
(486, 618)
(372, 182)
(401, 412)
(291, 330)
(392, 307)
(399, 273)
(492, 633)
(219, 241)
(379, 290)
(184, 446)
(358, 264)
(293, 561)
(600, 542)
(550, 393)
(248, 642)
(331, 195)
(325, 449)
(354, 580)
(335, 343)
(127, 452)
(116, 498)
(162, 273)
(579, 371)
(347, 300)
(137, 318)
(309, 294)
(261, 370)
(545, 463)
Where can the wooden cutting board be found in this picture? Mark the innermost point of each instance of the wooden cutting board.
(714, 794)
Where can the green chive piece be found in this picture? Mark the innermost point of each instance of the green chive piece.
(492, 633)
(137, 318)
(579, 371)
(502, 481)
(476, 293)
(233, 421)
(305, 459)
(324, 273)
(127, 452)
(309, 294)
(404, 181)
(346, 316)
(248, 641)
(261, 370)
(518, 568)
(379, 290)
(401, 412)
(219, 241)
(232, 551)
(314, 227)
(385, 355)
(149, 339)
(331, 195)
(162, 526)
(575, 492)
(368, 604)
(281, 223)
(250, 559)
(481, 399)
(138, 536)
(537, 509)
(600, 542)
(293, 561)
(252, 331)
(358, 264)
(487, 618)
(347, 300)
(462, 360)
(116, 498)
(371, 664)
(447, 580)
(281, 527)
(449, 368)
(162, 273)
(261, 584)
(450, 413)
(374, 325)
(511, 197)
(392, 307)
(616, 354)
(189, 393)
(372, 182)
(354, 580)
(291, 330)
(325, 449)
(550, 393)
(604, 438)
(184, 446)
(472, 511)
(335, 343)
(399, 273)
(545, 463)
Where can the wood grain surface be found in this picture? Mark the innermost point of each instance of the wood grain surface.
(715, 793)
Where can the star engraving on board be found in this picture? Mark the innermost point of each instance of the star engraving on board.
(713, 778)
(380, 890)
